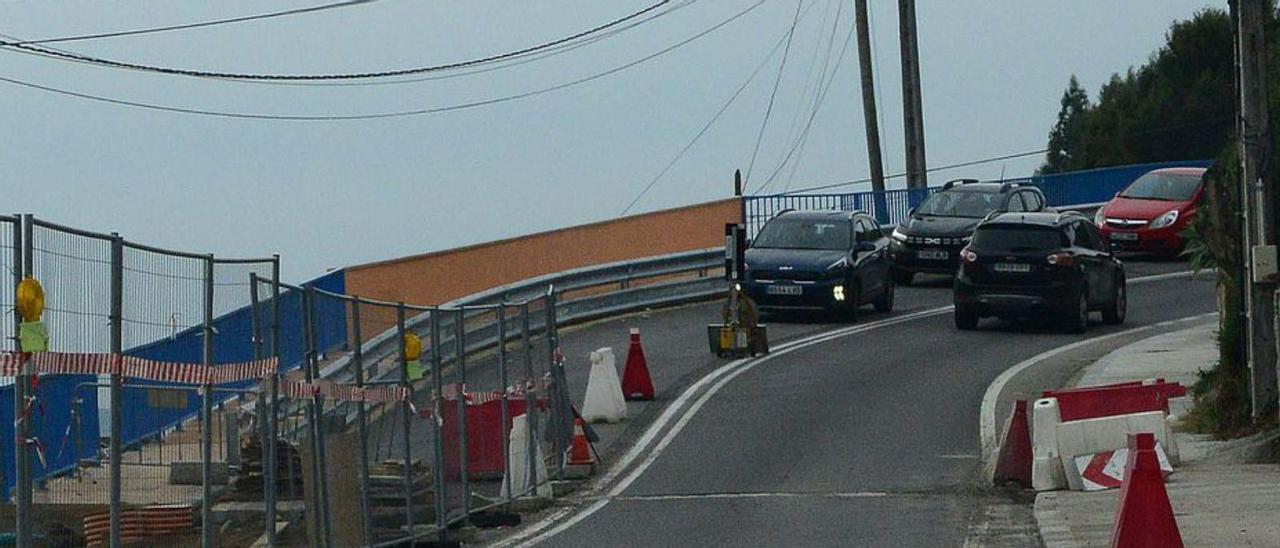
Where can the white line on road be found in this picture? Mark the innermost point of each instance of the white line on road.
(538, 531)
(713, 496)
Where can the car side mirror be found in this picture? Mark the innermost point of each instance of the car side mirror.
(865, 246)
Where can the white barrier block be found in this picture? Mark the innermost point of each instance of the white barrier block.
(1089, 436)
(1046, 466)
(604, 401)
(518, 455)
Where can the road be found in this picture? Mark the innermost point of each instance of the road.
(870, 438)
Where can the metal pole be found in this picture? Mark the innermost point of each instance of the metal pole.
(441, 489)
(23, 252)
(311, 417)
(321, 464)
(408, 420)
(264, 416)
(559, 405)
(460, 344)
(531, 408)
(506, 395)
(273, 405)
(207, 538)
(362, 426)
(117, 407)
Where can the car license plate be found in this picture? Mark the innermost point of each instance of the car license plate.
(1012, 267)
(1126, 236)
(932, 254)
(784, 290)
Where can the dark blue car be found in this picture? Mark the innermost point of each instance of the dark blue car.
(820, 260)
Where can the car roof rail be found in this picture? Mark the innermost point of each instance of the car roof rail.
(955, 182)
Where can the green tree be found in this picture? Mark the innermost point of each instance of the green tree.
(1065, 138)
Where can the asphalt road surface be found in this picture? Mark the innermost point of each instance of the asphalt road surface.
(867, 439)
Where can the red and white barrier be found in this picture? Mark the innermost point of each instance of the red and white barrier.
(71, 363)
(1105, 470)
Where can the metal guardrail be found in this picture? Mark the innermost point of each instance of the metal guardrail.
(586, 293)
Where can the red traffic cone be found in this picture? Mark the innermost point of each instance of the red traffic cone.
(1144, 518)
(580, 454)
(636, 384)
(1014, 461)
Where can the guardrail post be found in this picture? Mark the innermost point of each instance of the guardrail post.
(207, 539)
(437, 408)
(117, 409)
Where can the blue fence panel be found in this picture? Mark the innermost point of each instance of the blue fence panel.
(53, 424)
(892, 206)
(233, 342)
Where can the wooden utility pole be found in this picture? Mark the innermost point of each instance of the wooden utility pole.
(912, 111)
(869, 111)
(869, 96)
(1258, 196)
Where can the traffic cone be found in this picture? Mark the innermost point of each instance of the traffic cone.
(1144, 517)
(1014, 461)
(636, 384)
(581, 452)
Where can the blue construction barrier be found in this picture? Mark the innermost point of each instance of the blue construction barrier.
(54, 425)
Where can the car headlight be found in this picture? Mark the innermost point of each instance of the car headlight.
(899, 235)
(1164, 220)
(843, 262)
(1098, 218)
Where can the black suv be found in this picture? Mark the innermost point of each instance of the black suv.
(832, 260)
(929, 240)
(1027, 264)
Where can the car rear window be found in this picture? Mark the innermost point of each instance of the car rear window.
(1016, 239)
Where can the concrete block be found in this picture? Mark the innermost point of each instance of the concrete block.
(1086, 437)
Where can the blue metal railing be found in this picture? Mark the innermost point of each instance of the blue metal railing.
(892, 206)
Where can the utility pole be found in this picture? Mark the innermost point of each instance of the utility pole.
(869, 109)
(1258, 196)
(912, 111)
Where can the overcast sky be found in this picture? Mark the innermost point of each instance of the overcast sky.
(331, 194)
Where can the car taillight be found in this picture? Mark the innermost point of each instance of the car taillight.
(968, 256)
(1061, 259)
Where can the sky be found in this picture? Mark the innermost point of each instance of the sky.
(337, 193)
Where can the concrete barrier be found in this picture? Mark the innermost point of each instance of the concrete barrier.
(1086, 437)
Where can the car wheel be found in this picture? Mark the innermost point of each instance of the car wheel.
(1115, 313)
(903, 277)
(884, 303)
(966, 319)
(1078, 318)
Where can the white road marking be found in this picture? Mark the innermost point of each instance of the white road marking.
(714, 496)
(538, 531)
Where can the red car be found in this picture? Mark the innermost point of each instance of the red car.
(1150, 214)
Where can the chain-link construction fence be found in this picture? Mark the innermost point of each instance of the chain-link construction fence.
(393, 425)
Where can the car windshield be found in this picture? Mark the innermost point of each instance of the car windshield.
(804, 234)
(1015, 239)
(1163, 186)
(959, 203)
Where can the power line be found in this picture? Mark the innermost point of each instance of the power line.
(773, 95)
(334, 76)
(804, 134)
(708, 125)
(393, 114)
(152, 30)
(929, 170)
